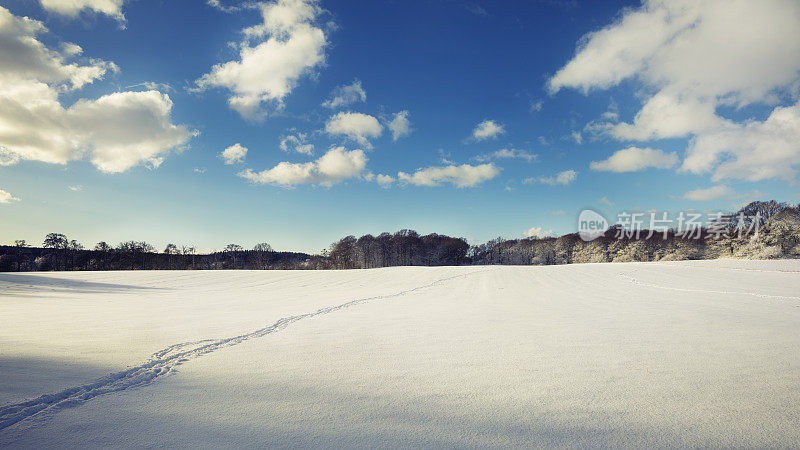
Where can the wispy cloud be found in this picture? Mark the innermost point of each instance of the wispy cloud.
(564, 178)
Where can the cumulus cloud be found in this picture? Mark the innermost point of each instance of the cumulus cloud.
(346, 95)
(740, 50)
(234, 154)
(384, 181)
(709, 194)
(273, 56)
(537, 232)
(461, 176)
(753, 151)
(488, 129)
(666, 115)
(6, 197)
(507, 153)
(355, 126)
(26, 59)
(634, 159)
(331, 168)
(115, 132)
(71, 8)
(296, 143)
(691, 58)
(400, 126)
(564, 178)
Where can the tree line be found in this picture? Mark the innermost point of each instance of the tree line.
(58, 252)
(778, 237)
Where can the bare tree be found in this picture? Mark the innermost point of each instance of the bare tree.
(171, 249)
(233, 250)
(104, 250)
(263, 247)
(57, 245)
(186, 250)
(19, 247)
(136, 252)
(260, 254)
(74, 248)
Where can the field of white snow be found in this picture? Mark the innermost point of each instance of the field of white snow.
(701, 353)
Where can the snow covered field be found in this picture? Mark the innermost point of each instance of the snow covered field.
(701, 353)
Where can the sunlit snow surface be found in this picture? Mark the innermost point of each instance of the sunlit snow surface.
(702, 353)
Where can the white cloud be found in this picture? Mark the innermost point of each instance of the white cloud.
(115, 132)
(537, 232)
(444, 157)
(709, 194)
(76, 188)
(750, 151)
(461, 176)
(612, 113)
(691, 58)
(296, 143)
(476, 9)
(234, 154)
(384, 181)
(564, 178)
(6, 197)
(72, 8)
(200, 170)
(152, 86)
(668, 116)
(577, 137)
(8, 158)
(356, 126)
(634, 159)
(273, 56)
(26, 59)
(488, 129)
(507, 153)
(216, 4)
(346, 95)
(605, 201)
(741, 50)
(125, 128)
(400, 126)
(331, 168)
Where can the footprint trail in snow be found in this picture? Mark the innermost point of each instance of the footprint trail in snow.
(165, 361)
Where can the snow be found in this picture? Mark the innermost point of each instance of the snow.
(700, 353)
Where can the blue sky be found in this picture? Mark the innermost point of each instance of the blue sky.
(472, 119)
